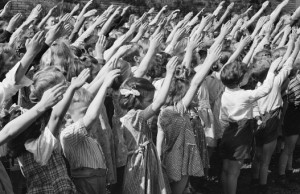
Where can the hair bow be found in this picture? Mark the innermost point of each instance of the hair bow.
(127, 92)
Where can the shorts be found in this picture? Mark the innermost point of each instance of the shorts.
(237, 140)
(292, 121)
(268, 131)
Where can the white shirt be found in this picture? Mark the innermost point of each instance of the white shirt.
(42, 147)
(274, 100)
(9, 87)
(238, 104)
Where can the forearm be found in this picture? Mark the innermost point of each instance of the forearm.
(93, 111)
(25, 64)
(156, 18)
(255, 17)
(143, 67)
(42, 23)
(107, 26)
(138, 36)
(248, 56)
(220, 22)
(188, 58)
(164, 90)
(76, 29)
(159, 142)
(21, 123)
(283, 40)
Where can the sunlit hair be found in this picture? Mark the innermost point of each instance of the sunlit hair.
(279, 52)
(59, 55)
(43, 80)
(142, 85)
(80, 96)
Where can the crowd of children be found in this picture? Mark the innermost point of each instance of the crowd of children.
(132, 104)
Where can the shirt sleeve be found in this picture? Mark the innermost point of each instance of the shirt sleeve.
(42, 147)
(73, 134)
(9, 87)
(262, 90)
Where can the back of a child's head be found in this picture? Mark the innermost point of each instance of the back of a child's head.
(136, 89)
(44, 80)
(178, 89)
(232, 74)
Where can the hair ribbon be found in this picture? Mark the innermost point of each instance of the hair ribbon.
(127, 92)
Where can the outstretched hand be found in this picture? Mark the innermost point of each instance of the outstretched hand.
(52, 96)
(78, 82)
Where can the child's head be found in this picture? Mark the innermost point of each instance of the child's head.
(8, 59)
(59, 55)
(136, 93)
(43, 80)
(260, 70)
(232, 74)
(80, 102)
(178, 89)
(134, 55)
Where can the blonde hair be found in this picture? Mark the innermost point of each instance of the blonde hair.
(43, 80)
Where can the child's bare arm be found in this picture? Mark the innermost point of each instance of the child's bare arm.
(94, 108)
(240, 48)
(59, 111)
(21, 123)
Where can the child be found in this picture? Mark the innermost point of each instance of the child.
(176, 143)
(82, 150)
(236, 114)
(270, 109)
(37, 148)
(143, 171)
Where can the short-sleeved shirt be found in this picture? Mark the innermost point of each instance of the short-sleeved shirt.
(9, 87)
(80, 149)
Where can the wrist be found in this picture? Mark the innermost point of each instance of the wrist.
(41, 107)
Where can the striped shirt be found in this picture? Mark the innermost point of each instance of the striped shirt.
(80, 149)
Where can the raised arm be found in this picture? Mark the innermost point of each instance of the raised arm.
(59, 111)
(157, 17)
(143, 67)
(256, 15)
(213, 55)
(94, 109)
(45, 19)
(221, 20)
(21, 123)
(243, 43)
(164, 90)
(33, 49)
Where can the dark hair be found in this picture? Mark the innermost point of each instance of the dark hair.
(260, 70)
(135, 102)
(177, 91)
(232, 74)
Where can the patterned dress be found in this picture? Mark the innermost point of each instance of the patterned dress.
(48, 179)
(180, 153)
(143, 173)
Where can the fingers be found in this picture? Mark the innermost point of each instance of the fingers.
(84, 75)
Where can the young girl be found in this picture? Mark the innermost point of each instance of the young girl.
(236, 115)
(176, 143)
(37, 149)
(143, 171)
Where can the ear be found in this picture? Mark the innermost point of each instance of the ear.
(137, 59)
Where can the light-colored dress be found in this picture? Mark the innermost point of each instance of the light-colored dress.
(143, 172)
(180, 153)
